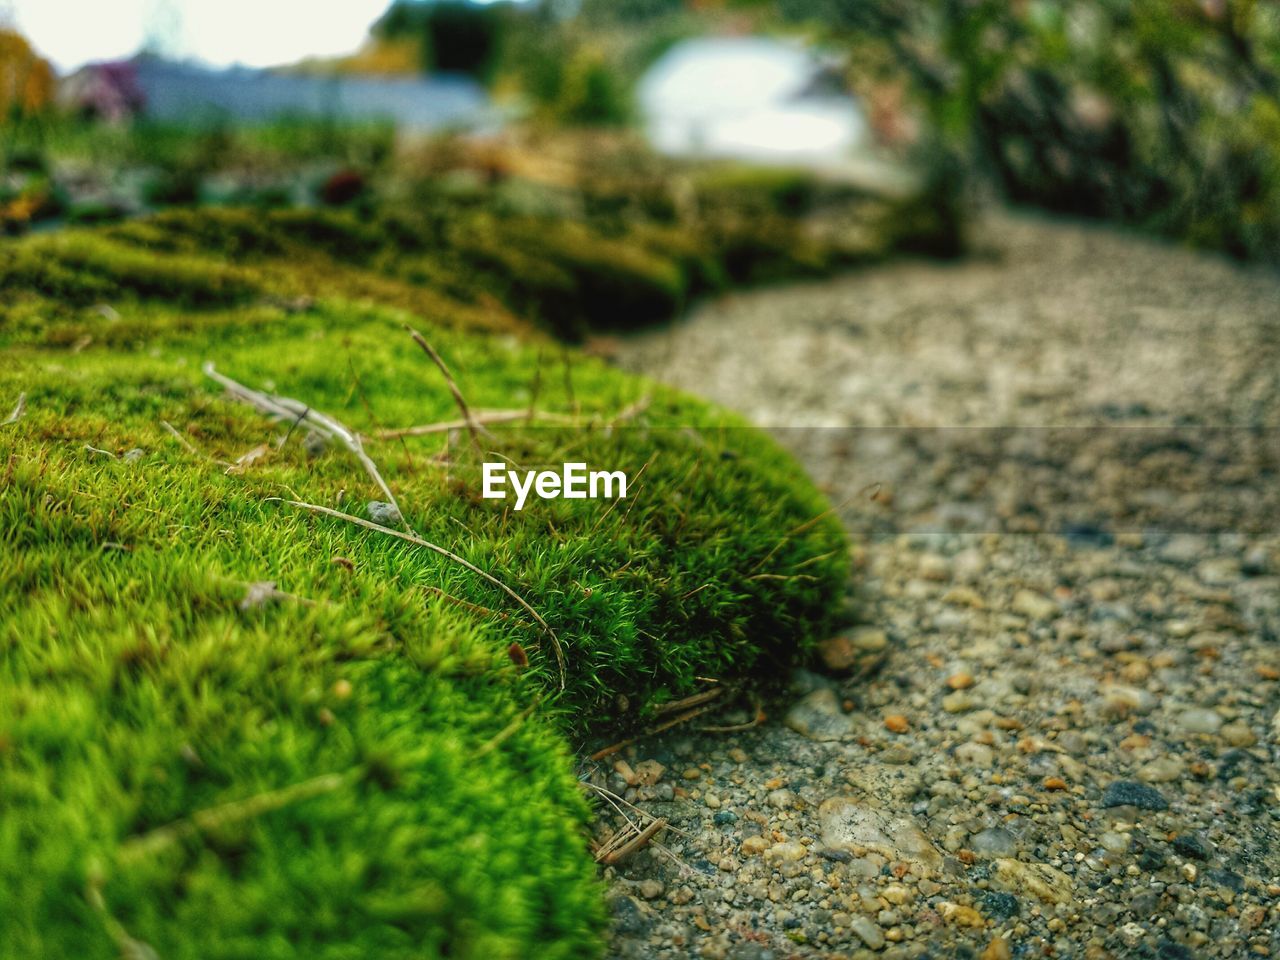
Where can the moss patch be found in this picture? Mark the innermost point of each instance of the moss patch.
(359, 763)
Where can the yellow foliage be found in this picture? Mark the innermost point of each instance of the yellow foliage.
(26, 81)
(378, 57)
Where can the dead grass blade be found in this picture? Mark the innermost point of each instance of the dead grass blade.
(618, 848)
(449, 554)
(509, 730)
(474, 428)
(173, 432)
(696, 700)
(632, 411)
(285, 408)
(213, 818)
(483, 417)
(658, 728)
(19, 409)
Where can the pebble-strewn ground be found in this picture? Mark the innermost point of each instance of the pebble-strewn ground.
(1067, 741)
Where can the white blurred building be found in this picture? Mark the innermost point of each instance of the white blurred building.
(750, 98)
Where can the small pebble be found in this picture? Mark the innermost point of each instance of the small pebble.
(1128, 793)
(383, 513)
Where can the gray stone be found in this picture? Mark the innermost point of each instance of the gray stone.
(867, 932)
(994, 842)
(1127, 793)
(849, 825)
(383, 513)
(1162, 770)
(819, 717)
(1199, 720)
(1035, 606)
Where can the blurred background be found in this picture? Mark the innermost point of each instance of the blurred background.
(1162, 115)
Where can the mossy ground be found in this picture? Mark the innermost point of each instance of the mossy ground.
(364, 767)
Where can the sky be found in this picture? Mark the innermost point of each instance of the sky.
(255, 33)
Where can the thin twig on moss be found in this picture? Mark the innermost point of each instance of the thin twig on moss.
(659, 728)
(130, 949)
(475, 607)
(419, 541)
(484, 417)
(287, 408)
(607, 856)
(173, 432)
(474, 428)
(529, 414)
(809, 524)
(19, 409)
(696, 700)
(509, 730)
(632, 410)
(213, 818)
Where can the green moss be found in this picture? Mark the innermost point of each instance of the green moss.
(358, 768)
(758, 190)
(81, 269)
(613, 251)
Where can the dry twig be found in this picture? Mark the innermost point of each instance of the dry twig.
(758, 718)
(212, 818)
(419, 541)
(694, 701)
(614, 850)
(659, 728)
(483, 417)
(173, 431)
(509, 730)
(19, 409)
(473, 427)
(632, 410)
(285, 408)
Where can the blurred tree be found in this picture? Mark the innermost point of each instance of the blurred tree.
(27, 83)
(1161, 113)
(629, 11)
(453, 35)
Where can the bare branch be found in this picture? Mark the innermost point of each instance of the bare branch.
(285, 408)
(19, 409)
(487, 416)
(418, 541)
(173, 431)
(213, 818)
(473, 427)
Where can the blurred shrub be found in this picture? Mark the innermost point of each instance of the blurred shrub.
(453, 35)
(84, 270)
(568, 78)
(27, 83)
(590, 94)
(1155, 113)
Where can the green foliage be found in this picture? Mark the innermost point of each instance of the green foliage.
(78, 270)
(455, 35)
(354, 766)
(612, 253)
(1153, 113)
(275, 148)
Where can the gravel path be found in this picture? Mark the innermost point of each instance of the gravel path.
(1051, 729)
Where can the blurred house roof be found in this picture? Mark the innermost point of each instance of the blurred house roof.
(179, 91)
